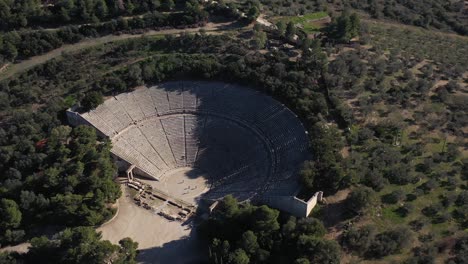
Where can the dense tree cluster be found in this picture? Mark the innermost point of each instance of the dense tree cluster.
(224, 11)
(345, 27)
(76, 245)
(324, 171)
(33, 13)
(360, 199)
(292, 8)
(91, 100)
(249, 234)
(68, 176)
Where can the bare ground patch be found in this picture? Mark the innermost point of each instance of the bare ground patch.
(334, 213)
(159, 240)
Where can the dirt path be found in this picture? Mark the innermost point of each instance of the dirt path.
(20, 248)
(210, 28)
(417, 68)
(262, 20)
(334, 213)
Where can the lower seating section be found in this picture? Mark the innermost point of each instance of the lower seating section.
(245, 141)
(156, 137)
(140, 143)
(126, 151)
(193, 129)
(174, 129)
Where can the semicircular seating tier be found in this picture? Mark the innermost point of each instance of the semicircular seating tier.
(246, 142)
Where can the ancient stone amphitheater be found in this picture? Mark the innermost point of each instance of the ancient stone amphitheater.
(246, 143)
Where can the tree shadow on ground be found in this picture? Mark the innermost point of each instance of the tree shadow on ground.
(188, 250)
(335, 213)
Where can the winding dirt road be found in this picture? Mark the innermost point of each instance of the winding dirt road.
(209, 28)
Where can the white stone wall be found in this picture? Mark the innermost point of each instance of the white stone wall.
(294, 205)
